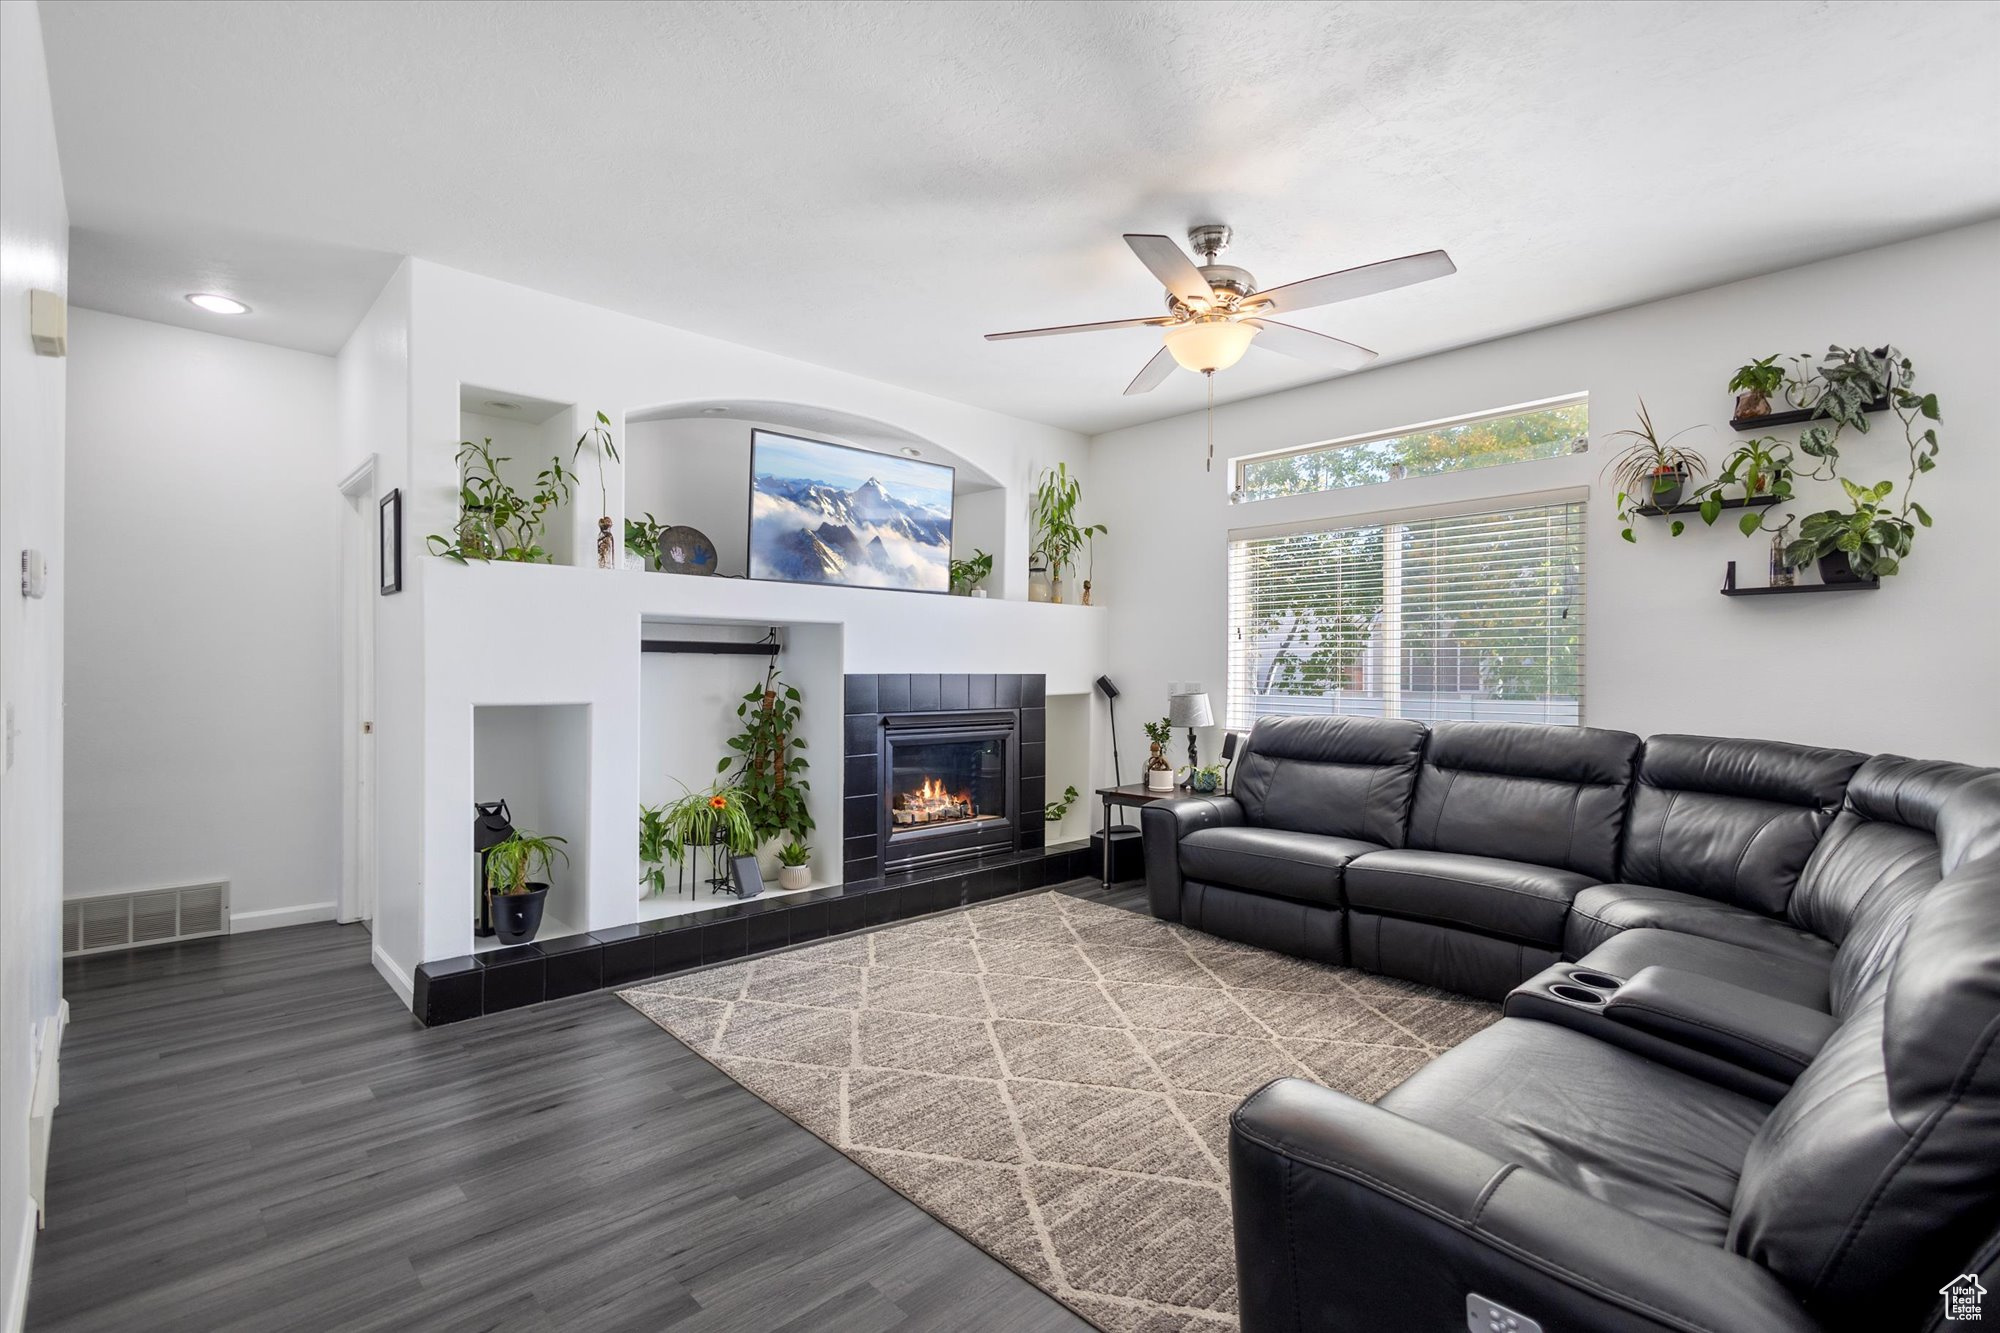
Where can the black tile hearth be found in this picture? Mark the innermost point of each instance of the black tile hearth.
(452, 990)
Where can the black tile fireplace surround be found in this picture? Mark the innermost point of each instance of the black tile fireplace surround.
(932, 715)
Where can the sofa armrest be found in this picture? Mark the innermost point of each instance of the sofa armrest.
(1745, 1027)
(1162, 825)
(1349, 1216)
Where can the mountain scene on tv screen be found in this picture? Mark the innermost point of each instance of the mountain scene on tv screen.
(825, 514)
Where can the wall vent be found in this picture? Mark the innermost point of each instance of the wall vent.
(158, 916)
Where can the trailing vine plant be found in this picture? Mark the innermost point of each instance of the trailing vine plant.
(770, 769)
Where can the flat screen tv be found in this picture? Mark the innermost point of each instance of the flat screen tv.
(831, 513)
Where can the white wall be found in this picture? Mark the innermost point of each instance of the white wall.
(1910, 668)
(434, 330)
(34, 253)
(203, 649)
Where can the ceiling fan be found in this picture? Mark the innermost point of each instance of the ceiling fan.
(1215, 311)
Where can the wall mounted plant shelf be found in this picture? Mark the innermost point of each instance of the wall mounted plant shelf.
(1729, 588)
(1750, 502)
(695, 646)
(1745, 425)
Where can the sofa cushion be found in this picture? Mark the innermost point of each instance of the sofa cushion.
(1605, 909)
(1732, 820)
(1510, 899)
(1304, 867)
(1551, 796)
(1876, 1178)
(1650, 1140)
(1798, 980)
(1347, 777)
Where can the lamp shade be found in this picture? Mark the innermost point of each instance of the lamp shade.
(1189, 710)
(1209, 344)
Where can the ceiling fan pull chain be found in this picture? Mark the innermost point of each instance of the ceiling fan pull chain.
(1209, 466)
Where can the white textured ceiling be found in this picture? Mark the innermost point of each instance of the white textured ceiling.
(873, 186)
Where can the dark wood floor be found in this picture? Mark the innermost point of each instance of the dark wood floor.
(255, 1135)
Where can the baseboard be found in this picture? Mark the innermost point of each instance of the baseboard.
(386, 966)
(271, 918)
(14, 1315)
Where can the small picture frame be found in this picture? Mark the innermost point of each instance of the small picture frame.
(745, 877)
(389, 540)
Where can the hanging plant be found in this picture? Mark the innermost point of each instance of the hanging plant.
(770, 770)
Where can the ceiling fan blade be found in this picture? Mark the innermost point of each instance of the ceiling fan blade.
(1152, 373)
(1352, 282)
(1081, 328)
(1172, 267)
(1307, 345)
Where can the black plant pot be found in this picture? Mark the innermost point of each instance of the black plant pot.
(1834, 567)
(517, 916)
(1671, 496)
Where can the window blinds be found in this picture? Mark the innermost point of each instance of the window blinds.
(1475, 617)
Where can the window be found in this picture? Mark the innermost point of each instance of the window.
(1541, 430)
(1470, 616)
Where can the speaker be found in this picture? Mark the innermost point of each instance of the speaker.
(1128, 854)
(1106, 688)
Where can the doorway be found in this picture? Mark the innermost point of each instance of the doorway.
(358, 575)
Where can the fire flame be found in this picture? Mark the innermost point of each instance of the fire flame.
(933, 801)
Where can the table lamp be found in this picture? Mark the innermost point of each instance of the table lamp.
(1190, 710)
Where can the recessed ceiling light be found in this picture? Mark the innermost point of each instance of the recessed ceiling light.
(909, 452)
(503, 405)
(715, 411)
(218, 305)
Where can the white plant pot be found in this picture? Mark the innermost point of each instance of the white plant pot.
(1159, 779)
(794, 877)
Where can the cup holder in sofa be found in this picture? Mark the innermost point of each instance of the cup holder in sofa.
(1584, 995)
(1595, 980)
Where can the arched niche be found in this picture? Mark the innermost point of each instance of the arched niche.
(690, 463)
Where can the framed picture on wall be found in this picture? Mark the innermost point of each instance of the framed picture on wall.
(389, 538)
(831, 513)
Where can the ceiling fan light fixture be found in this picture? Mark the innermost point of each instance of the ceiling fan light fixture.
(1205, 345)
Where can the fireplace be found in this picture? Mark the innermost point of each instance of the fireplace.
(941, 771)
(949, 784)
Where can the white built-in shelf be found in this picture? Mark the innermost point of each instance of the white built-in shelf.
(552, 929)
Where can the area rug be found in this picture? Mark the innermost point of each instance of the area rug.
(1052, 1078)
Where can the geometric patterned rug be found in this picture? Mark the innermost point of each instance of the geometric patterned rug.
(1052, 1078)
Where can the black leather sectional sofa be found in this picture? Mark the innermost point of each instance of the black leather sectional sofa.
(1748, 1075)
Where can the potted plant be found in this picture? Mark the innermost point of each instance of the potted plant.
(967, 575)
(1753, 386)
(770, 778)
(1159, 773)
(1058, 535)
(599, 437)
(495, 521)
(1652, 473)
(1054, 811)
(1871, 537)
(1202, 778)
(642, 539)
(517, 898)
(655, 848)
(794, 865)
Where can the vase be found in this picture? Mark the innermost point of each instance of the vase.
(1751, 404)
(517, 916)
(1055, 588)
(794, 877)
(1781, 569)
(478, 539)
(1086, 592)
(1038, 584)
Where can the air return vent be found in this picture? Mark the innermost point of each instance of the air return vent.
(127, 920)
